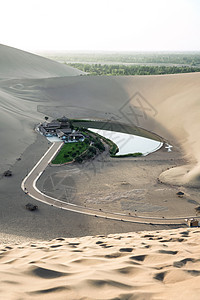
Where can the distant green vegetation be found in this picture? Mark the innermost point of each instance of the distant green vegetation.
(181, 58)
(70, 151)
(114, 70)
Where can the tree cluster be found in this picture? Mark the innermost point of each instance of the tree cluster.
(115, 70)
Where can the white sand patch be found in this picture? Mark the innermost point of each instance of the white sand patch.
(128, 143)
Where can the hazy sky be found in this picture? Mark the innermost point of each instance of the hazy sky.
(121, 25)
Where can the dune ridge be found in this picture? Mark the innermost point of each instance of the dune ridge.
(144, 265)
(19, 98)
(15, 63)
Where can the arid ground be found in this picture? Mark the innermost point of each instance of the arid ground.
(146, 265)
(157, 103)
(126, 185)
(158, 265)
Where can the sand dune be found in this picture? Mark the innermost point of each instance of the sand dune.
(18, 104)
(15, 63)
(145, 265)
(167, 105)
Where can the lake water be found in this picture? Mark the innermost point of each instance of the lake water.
(128, 143)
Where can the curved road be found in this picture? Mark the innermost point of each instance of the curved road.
(29, 187)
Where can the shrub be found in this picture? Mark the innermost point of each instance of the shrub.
(92, 149)
(8, 173)
(87, 141)
(100, 146)
(78, 159)
(89, 155)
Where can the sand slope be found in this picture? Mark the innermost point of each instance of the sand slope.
(18, 104)
(167, 105)
(15, 63)
(145, 265)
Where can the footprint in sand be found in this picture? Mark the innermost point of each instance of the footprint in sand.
(60, 239)
(45, 273)
(102, 283)
(168, 252)
(55, 246)
(138, 257)
(148, 236)
(113, 255)
(74, 244)
(184, 233)
(193, 272)
(127, 270)
(183, 262)
(160, 276)
(126, 249)
(10, 282)
(50, 290)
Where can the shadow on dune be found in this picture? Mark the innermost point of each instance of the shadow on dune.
(167, 105)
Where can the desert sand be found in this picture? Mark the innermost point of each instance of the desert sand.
(18, 108)
(129, 185)
(95, 258)
(25, 101)
(16, 63)
(144, 265)
(167, 105)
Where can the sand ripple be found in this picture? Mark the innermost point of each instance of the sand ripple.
(147, 265)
